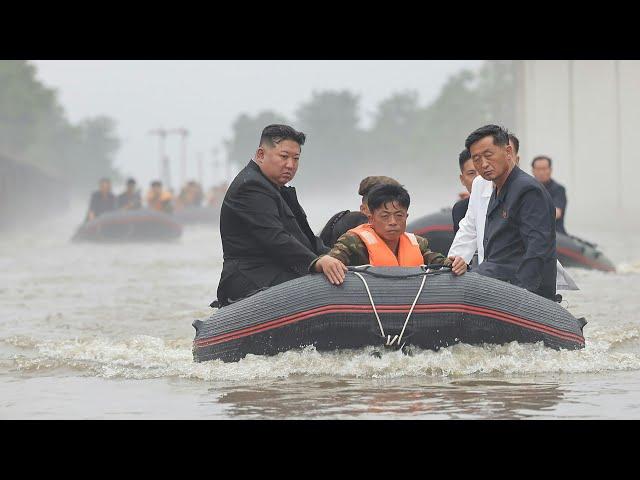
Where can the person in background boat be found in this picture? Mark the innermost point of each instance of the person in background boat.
(159, 199)
(344, 221)
(216, 194)
(130, 198)
(541, 169)
(101, 201)
(467, 174)
(384, 240)
(266, 239)
(190, 196)
(519, 235)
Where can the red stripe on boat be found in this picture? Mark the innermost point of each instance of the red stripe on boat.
(438, 308)
(586, 260)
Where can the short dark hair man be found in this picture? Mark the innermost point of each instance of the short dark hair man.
(266, 239)
(130, 198)
(541, 169)
(383, 241)
(344, 221)
(519, 236)
(467, 174)
(102, 200)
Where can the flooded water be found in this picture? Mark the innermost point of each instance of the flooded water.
(104, 331)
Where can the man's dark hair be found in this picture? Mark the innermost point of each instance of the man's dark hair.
(500, 136)
(131, 181)
(541, 157)
(384, 193)
(464, 156)
(369, 182)
(515, 141)
(274, 134)
(156, 183)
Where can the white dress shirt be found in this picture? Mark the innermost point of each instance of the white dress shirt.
(470, 235)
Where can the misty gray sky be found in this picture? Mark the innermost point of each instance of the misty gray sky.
(206, 96)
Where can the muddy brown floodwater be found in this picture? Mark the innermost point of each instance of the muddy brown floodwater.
(104, 331)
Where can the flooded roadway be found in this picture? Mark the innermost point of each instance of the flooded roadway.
(104, 331)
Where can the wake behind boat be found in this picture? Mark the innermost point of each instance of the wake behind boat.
(391, 306)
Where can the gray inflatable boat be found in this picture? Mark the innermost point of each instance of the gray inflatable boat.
(142, 225)
(390, 306)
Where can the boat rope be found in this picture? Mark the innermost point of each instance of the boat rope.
(424, 278)
(366, 286)
(397, 338)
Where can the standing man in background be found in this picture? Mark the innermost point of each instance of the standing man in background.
(541, 169)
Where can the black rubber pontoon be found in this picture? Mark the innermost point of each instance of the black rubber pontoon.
(468, 309)
(129, 226)
(572, 251)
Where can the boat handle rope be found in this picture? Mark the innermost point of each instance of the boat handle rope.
(397, 338)
(431, 269)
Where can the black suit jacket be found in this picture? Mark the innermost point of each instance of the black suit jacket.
(520, 235)
(458, 212)
(266, 238)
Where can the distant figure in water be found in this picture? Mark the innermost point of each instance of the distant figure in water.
(383, 241)
(159, 199)
(130, 198)
(102, 200)
(467, 174)
(190, 196)
(344, 221)
(541, 169)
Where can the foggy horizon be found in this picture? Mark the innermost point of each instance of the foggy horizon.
(207, 96)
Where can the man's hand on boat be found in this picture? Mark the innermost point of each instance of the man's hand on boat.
(459, 266)
(332, 268)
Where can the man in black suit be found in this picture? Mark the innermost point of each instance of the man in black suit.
(541, 169)
(266, 239)
(520, 231)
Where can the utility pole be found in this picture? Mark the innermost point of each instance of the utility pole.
(216, 163)
(162, 135)
(200, 170)
(166, 173)
(184, 133)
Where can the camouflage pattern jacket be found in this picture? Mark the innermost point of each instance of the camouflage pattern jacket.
(350, 250)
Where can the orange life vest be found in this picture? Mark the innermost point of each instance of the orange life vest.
(380, 255)
(159, 203)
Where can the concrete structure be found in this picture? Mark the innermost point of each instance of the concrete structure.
(584, 114)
